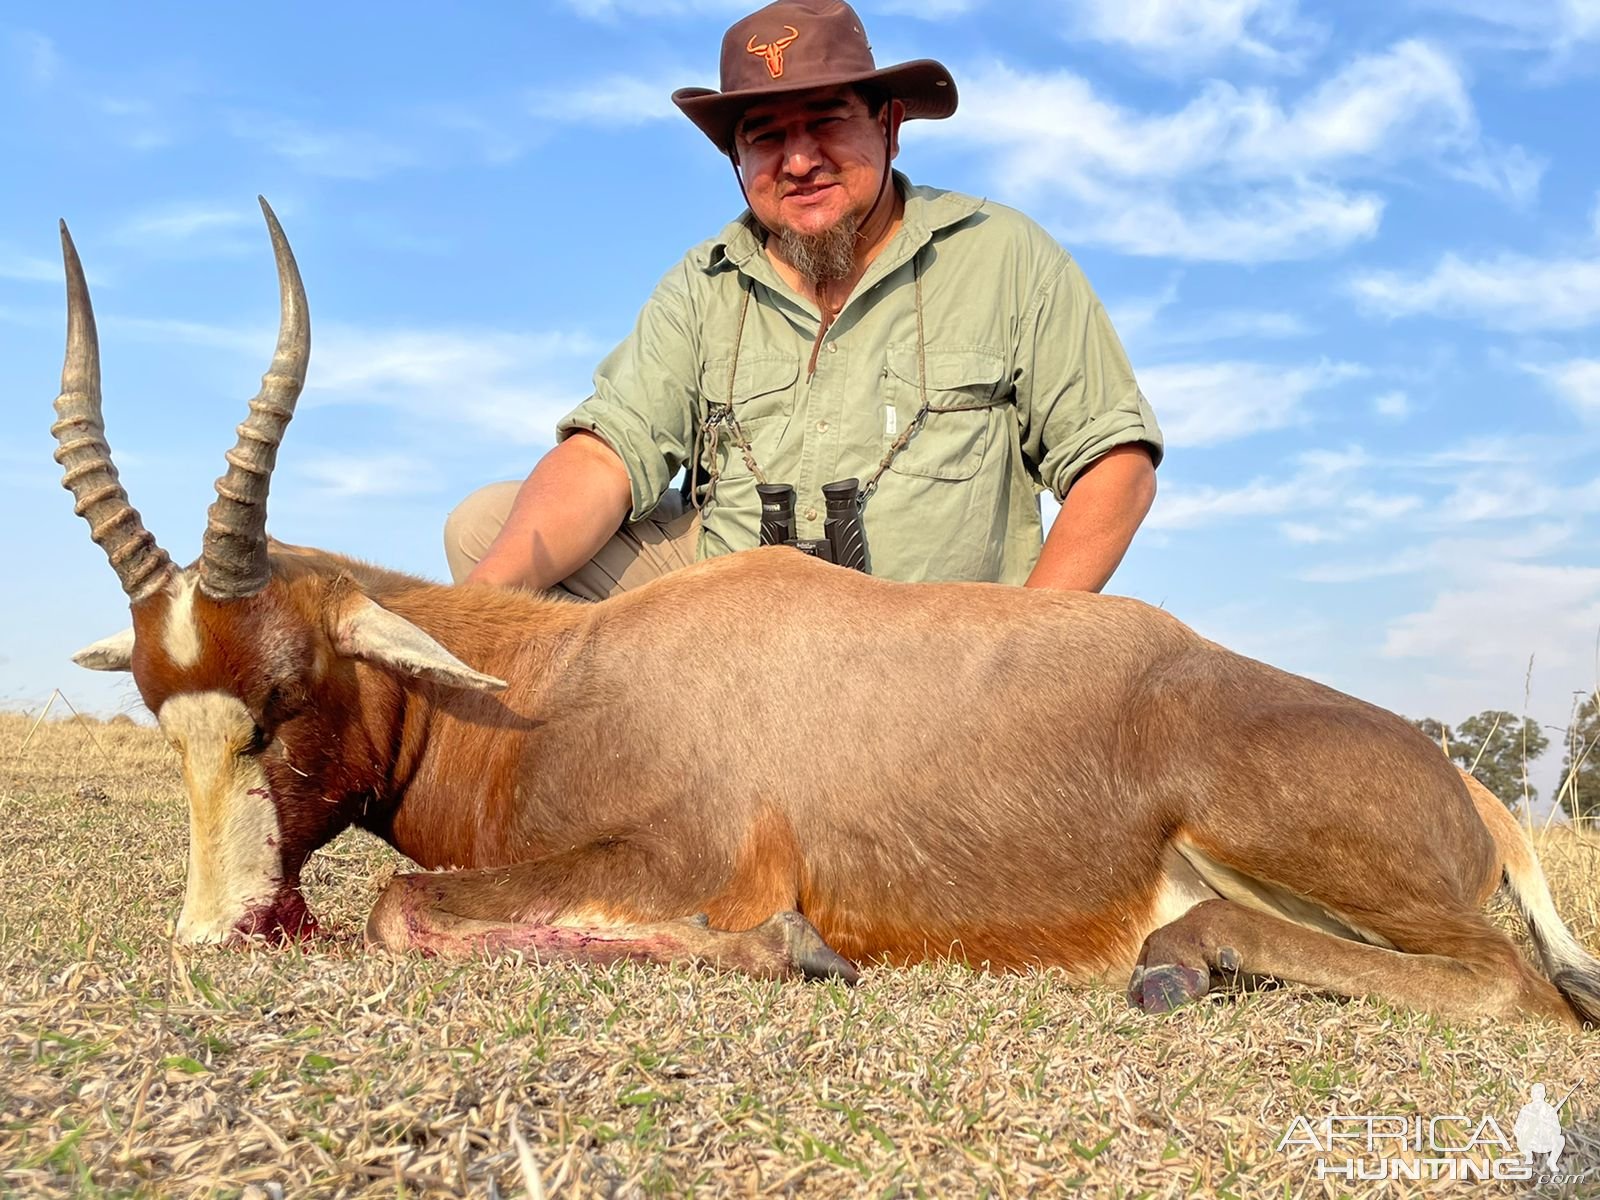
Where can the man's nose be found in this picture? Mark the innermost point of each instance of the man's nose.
(801, 155)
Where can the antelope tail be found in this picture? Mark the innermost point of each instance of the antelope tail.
(1574, 971)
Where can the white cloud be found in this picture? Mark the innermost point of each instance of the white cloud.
(1447, 556)
(1381, 508)
(1240, 226)
(1493, 450)
(1202, 404)
(28, 268)
(1411, 96)
(1511, 611)
(190, 224)
(508, 387)
(1558, 26)
(1347, 494)
(1392, 406)
(616, 100)
(927, 10)
(354, 476)
(334, 153)
(1319, 486)
(254, 341)
(139, 120)
(1509, 494)
(1497, 632)
(1236, 174)
(1179, 507)
(479, 378)
(1151, 322)
(1182, 34)
(1508, 171)
(1226, 325)
(41, 61)
(1577, 381)
(1305, 533)
(497, 139)
(611, 10)
(1408, 100)
(138, 123)
(1510, 292)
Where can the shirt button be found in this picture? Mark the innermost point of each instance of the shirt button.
(822, 427)
(833, 347)
(811, 514)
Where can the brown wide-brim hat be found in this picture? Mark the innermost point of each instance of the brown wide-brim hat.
(798, 45)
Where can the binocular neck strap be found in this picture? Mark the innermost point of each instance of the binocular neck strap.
(720, 416)
(729, 418)
(870, 484)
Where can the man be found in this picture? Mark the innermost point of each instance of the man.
(943, 350)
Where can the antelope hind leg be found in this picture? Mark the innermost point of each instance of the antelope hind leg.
(414, 913)
(1480, 972)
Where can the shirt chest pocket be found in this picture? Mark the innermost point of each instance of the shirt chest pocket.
(963, 386)
(762, 390)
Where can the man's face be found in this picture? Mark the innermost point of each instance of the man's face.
(813, 158)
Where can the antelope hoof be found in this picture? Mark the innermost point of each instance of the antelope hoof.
(1162, 989)
(1228, 960)
(809, 954)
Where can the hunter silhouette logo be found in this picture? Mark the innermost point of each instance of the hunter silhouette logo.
(1538, 1128)
(773, 51)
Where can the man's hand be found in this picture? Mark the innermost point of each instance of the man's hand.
(1098, 519)
(571, 504)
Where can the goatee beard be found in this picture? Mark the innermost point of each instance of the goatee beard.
(822, 257)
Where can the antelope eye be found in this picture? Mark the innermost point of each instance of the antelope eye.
(258, 740)
(282, 704)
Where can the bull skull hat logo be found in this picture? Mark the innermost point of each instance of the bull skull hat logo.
(772, 52)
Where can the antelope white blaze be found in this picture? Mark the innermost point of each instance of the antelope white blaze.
(182, 640)
(234, 862)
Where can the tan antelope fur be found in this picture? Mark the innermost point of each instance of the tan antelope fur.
(775, 765)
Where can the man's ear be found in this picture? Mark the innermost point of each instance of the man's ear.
(362, 628)
(897, 114)
(114, 653)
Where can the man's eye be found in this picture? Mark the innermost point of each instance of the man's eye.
(766, 139)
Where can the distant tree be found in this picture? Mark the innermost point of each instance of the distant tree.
(1579, 792)
(1501, 746)
(1496, 747)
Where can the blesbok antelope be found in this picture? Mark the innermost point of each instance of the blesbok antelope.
(776, 765)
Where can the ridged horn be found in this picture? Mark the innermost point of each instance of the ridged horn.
(115, 525)
(233, 562)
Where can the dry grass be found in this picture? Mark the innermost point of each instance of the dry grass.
(130, 1069)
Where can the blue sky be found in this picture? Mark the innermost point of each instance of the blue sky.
(1353, 249)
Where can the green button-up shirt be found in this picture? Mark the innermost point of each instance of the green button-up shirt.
(1012, 336)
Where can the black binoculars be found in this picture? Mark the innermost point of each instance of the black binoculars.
(842, 542)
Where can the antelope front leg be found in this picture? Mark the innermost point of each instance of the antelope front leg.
(413, 914)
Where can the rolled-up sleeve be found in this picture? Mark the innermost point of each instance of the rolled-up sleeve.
(645, 393)
(1075, 391)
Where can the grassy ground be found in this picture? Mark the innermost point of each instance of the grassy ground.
(130, 1069)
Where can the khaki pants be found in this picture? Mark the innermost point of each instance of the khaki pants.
(638, 552)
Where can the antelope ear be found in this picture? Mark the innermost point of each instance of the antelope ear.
(364, 629)
(114, 653)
